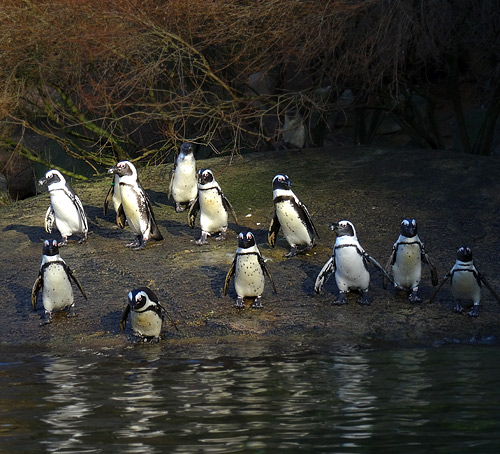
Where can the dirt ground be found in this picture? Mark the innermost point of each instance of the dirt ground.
(454, 197)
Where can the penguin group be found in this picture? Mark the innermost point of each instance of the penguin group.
(199, 192)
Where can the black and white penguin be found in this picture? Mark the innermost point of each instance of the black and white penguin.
(114, 196)
(466, 283)
(135, 206)
(146, 314)
(405, 262)
(291, 215)
(249, 270)
(349, 262)
(66, 211)
(294, 130)
(213, 206)
(183, 186)
(54, 279)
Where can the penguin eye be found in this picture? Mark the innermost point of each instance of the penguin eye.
(46, 242)
(413, 222)
(54, 243)
(240, 236)
(249, 236)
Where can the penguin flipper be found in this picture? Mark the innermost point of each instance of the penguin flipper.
(324, 274)
(388, 265)
(262, 264)
(193, 212)
(171, 184)
(228, 207)
(309, 223)
(274, 228)
(439, 287)
(432, 268)
(120, 217)
(377, 265)
(109, 196)
(75, 280)
(79, 207)
(50, 219)
(34, 292)
(489, 287)
(123, 319)
(229, 275)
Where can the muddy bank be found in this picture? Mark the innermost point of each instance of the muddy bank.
(454, 197)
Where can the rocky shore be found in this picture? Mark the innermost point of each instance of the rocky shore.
(454, 197)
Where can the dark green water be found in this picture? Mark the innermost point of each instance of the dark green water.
(144, 400)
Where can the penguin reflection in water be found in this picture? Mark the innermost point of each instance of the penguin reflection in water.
(66, 211)
(291, 215)
(349, 262)
(135, 206)
(406, 259)
(54, 279)
(213, 206)
(466, 283)
(146, 314)
(183, 186)
(249, 270)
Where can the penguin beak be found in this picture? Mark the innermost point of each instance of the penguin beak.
(42, 181)
(113, 169)
(333, 226)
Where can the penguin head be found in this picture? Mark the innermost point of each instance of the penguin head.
(246, 240)
(123, 168)
(464, 254)
(140, 298)
(281, 182)
(52, 177)
(343, 228)
(409, 228)
(186, 148)
(50, 248)
(205, 176)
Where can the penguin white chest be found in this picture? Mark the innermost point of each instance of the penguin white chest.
(68, 219)
(407, 268)
(249, 277)
(350, 270)
(213, 215)
(185, 184)
(134, 206)
(57, 292)
(146, 323)
(464, 286)
(294, 230)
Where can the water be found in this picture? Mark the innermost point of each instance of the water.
(143, 400)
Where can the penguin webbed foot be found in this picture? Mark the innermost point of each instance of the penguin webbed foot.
(46, 319)
(222, 235)
(457, 307)
(364, 300)
(137, 243)
(179, 208)
(239, 303)
(202, 239)
(474, 312)
(341, 299)
(64, 242)
(70, 311)
(414, 298)
(291, 253)
(257, 304)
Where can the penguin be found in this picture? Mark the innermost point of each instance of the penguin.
(146, 314)
(213, 206)
(466, 283)
(294, 130)
(183, 186)
(54, 279)
(136, 206)
(249, 270)
(66, 211)
(405, 262)
(291, 215)
(349, 262)
(114, 196)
